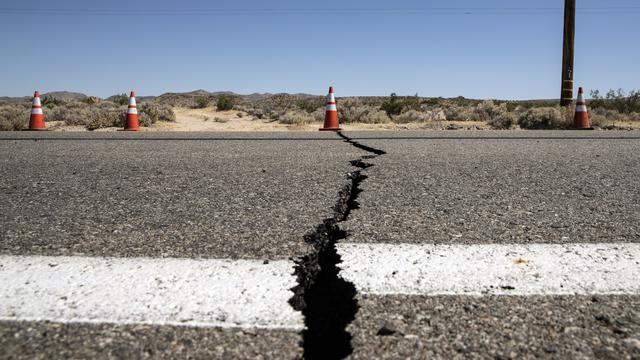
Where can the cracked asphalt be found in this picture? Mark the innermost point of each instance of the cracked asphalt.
(254, 196)
(504, 188)
(149, 195)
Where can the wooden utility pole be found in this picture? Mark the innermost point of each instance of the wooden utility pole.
(566, 96)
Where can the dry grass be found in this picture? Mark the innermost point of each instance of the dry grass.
(13, 117)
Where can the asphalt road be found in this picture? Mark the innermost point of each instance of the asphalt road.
(255, 197)
(186, 195)
(495, 188)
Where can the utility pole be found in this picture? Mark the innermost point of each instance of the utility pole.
(566, 96)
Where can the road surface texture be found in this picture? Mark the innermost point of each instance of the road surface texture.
(285, 245)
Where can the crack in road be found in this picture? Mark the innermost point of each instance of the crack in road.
(326, 300)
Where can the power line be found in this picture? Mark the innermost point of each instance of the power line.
(320, 11)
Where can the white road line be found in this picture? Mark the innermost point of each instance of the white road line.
(476, 270)
(182, 292)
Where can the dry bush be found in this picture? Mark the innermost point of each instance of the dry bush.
(620, 100)
(604, 118)
(615, 115)
(13, 117)
(488, 111)
(106, 117)
(377, 117)
(201, 103)
(158, 112)
(224, 103)
(271, 107)
(354, 111)
(503, 121)
(318, 115)
(106, 114)
(91, 116)
(70, 113)
(311, 105)
(459, 113)
(296, 117)
(542, 118)
(600, 121)
(412, 116)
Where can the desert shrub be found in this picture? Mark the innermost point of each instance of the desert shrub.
(602, 117)
(318, 115)
(201, 103)
(392, 106)
(412, 103)
(502, 122)
(275, 106)
(158, 112)
(91, 100)
(13, 117)
(77, 113)
(542, 118)
(224, 103)
(108, 117)
(488, 111)
(431, 102)
(376, 117)
(354, 111)
(459, 113)
(50, 101)
(617, 100)
(310, 105)
(296, 117)
(615, 115)
(410, 117)
(70, 114)
(121, 99)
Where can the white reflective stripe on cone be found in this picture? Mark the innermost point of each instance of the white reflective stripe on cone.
(331, 107)
(132, 101)
(581, 108)
(132, 111)
(36, 101)
(36, 111)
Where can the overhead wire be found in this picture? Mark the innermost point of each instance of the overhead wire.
(318, 11)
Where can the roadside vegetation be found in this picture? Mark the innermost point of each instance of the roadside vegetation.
(91, 113)
(613, 110)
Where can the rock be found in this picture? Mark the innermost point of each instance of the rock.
(634, 343)
(387, 329)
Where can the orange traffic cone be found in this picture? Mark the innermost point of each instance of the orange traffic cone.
(132, 124)
(331, 115)
(581, 119)
(36, 122)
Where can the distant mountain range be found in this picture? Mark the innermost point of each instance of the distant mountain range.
(74, 96)
(176, 97)
(60, 95)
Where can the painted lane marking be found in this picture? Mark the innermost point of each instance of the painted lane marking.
(179, 292)
(476, 270)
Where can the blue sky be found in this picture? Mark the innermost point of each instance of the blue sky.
(476, 53)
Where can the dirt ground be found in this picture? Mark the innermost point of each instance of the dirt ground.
(209, 119)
